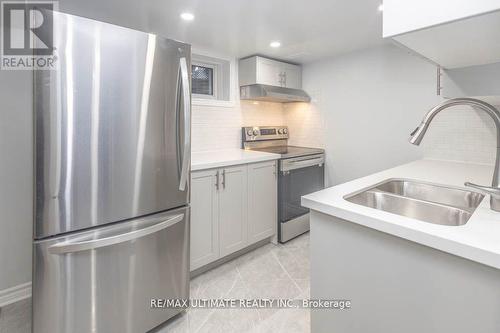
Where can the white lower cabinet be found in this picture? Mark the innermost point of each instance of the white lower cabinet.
(262, 201)
(204, 218)
(231, 208)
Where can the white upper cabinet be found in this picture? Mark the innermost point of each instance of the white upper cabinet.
(405, 16)
(451, 33)
(292, 76)
(268, 72)
(260, 70)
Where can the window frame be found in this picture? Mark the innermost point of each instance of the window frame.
(215, 82)
(227, 87)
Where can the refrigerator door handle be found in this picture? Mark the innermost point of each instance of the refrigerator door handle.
(71, 247)
(186, 156)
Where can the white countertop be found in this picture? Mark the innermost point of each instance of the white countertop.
(221, 158)
(477, 240)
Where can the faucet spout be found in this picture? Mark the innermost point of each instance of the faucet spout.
(418, 134)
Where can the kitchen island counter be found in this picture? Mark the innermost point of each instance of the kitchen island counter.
(477, 240)
(402, 274)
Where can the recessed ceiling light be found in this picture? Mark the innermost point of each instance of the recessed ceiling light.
(381, 7)
(187, 16)
(275, 44)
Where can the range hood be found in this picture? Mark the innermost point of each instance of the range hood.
(264, 79)
(262, 92)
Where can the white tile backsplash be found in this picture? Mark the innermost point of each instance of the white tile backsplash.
(215, 127)
(461, 134)
(306, 124)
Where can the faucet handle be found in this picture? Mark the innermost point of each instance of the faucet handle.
(488, 190)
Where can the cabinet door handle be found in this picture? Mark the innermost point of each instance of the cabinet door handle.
(223, 179)
(217, 180)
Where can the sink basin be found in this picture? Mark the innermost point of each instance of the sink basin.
(426, 202)
(450, 196)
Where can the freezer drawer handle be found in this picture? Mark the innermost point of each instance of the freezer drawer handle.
(69, 247)
(186, 154)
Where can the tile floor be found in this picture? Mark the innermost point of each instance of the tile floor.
(271, 271)
(16, 317)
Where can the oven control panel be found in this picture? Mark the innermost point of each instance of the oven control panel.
(260, 133)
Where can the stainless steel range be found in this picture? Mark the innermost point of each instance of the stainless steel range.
(301, 171)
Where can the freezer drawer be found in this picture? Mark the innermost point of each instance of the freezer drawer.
(103, 280)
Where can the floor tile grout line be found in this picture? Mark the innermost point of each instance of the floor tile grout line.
(203, 322)
(214, 310)
(246, 289)
(286, 272)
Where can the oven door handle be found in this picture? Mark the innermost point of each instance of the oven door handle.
(299, 164)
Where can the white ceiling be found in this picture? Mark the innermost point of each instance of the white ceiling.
(308, 30)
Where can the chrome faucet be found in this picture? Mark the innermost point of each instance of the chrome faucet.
(418, 134)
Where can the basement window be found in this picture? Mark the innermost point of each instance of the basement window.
(210, 79)
(204, 80)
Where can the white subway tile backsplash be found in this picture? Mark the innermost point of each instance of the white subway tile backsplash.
(306, 124)
(461, 134)
(216, 127)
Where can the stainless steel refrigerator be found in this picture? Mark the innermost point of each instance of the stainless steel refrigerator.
(112, 162)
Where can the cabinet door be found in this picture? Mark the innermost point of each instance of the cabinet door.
(262, 201)
(233, 207)
(400, 17)
(292, 76)
(204, 218)
(269, 72)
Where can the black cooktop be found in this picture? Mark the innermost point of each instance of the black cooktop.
(290, 151)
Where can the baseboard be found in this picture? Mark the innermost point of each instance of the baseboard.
(229, 257)
(15, 294)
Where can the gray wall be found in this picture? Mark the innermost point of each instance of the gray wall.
(483, 80)
(369, 101)
(16, 178)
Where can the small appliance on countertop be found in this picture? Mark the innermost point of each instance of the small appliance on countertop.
(301, 172)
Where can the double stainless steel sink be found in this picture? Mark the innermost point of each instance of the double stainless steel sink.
(426, 202)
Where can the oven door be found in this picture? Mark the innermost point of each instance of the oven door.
(298, 176)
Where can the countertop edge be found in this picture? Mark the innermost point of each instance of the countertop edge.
(219, 163)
